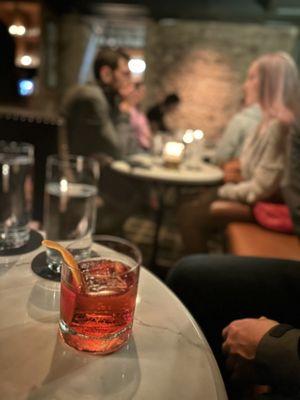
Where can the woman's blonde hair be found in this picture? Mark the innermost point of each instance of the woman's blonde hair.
(279, 86)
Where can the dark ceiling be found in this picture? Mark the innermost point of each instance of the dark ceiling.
(203, 9)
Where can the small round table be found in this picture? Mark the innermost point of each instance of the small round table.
(148, 168)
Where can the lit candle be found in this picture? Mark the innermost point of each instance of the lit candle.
(188, 136)
(172, 154)
(198, 134)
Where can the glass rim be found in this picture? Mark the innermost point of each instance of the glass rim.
(17, 145)
(113, 239)
(57, 159)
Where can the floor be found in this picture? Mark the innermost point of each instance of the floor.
(140, 230)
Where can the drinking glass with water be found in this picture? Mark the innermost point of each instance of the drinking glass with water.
(16, 189)
(70, 204)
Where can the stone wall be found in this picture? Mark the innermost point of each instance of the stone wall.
(206, 63)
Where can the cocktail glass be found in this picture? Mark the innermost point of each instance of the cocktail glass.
(96, 315)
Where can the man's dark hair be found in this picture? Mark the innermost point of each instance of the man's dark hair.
(171, 99)
(108, 57)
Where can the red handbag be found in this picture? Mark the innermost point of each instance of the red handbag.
(273, 216)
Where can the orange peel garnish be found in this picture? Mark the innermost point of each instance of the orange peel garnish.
(68, 258)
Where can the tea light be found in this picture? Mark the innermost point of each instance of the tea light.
(188, 136)
(172, 154)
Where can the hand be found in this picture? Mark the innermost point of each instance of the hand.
(103, 159)
(242, 337)
(232, 176)
(124, 107)
(232, 165)
(232, 171)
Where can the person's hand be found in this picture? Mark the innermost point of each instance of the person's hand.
(103, 159)
(232, 165)
(232, 171)
(232, 176)
(125, 107)
(241, 337)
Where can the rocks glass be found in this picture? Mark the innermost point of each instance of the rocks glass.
(96, 311)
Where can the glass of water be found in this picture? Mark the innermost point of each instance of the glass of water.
(16, 189)
(70, 204)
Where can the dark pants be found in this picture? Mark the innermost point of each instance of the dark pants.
(203, 214)
(218, 289)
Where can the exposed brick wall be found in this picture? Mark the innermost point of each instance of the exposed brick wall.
(206, 63)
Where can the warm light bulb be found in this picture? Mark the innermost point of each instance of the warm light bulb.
(26, 60)
(137, 66)
(17, 30)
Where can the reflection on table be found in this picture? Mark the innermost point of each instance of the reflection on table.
(166, 358)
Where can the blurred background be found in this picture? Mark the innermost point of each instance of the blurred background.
(199, 49)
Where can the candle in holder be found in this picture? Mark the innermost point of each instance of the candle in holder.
(172, 154)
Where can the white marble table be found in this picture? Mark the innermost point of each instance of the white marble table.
(146, 167)
(150, 169)
(167, 357)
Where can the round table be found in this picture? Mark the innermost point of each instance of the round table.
(166, 358)
(148, 168)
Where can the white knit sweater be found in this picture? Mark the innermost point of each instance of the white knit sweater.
(262, 165)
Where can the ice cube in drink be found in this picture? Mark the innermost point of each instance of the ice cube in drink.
(98, 317)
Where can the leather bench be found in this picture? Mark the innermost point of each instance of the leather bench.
(249, 239)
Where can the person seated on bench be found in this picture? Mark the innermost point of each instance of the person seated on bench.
(243, 302)
(256, 175)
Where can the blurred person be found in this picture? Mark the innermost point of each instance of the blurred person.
(257, 174)
(251, 304)
(93, 119)
(240, 125)
(133, 96)
(157, 114)
(97, 127)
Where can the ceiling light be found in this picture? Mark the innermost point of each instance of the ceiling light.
(137, 66)
(26, 60)
(17, 30)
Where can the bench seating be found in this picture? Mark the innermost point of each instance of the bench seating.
(249, 239)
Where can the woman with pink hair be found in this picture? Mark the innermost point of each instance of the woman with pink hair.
(273, 78)
(272, 82)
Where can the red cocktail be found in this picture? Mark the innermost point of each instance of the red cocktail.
(98, 315)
